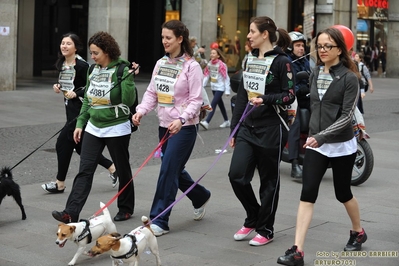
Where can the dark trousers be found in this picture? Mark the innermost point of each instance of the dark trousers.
(64, 147)
(217, 100)
(293, 138)
(315, 165)
(172, 176)
(92, 148)
(262, 149)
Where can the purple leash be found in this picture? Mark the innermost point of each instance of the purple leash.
(244, 115)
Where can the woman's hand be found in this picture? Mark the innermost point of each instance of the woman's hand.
(256, 101)
(175, 126)
(57, 87)
(136, 118)
(311, 142)
(70, 94)
(232, 142)
(77, 134)
(136, 67)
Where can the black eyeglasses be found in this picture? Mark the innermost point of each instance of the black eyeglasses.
(326, 47)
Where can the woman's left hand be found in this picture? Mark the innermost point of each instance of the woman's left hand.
(175, 126)
(256, 101)
(70, 94)
(311, 142)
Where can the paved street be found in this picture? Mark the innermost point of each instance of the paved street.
(33, 113)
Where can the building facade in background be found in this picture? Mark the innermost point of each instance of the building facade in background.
(31, 30)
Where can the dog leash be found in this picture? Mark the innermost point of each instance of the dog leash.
(66, 125)
(160, 144)
(244, 115)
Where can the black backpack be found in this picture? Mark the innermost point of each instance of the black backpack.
(119, 74)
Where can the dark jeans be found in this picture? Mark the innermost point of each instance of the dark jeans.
(314, 167)
(172, 176)
(258, 148)
(64, 147)
(92, 148)
(217, 100)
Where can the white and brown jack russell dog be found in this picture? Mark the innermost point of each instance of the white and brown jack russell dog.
(84, 232)
(127, 249)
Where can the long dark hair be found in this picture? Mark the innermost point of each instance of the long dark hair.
(266, 23)
(78, 45)
(179, 29)
(344, 57)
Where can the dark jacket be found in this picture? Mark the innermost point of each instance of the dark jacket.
(331, 117)
(301, 86)
(279, 91)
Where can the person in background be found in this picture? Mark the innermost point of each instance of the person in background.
(375, 57)
(296, 53)
(177, 100)
(334, 89)
(383, 58)
(72, 78)
(105, 120)
(216, 72)
(366, 80)
(248, 49)
(199, 52)
(268, 84)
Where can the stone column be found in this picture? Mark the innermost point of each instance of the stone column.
(112, 17)
(200, 17)
(8, 44)
(26, 16)
(276, 10)
(392, 67)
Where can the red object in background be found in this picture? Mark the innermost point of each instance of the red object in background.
(214, 45)
(348, 35)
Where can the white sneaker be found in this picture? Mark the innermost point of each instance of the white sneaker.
(158, 231)
(225, 124)
(200, 212)
(204, 124)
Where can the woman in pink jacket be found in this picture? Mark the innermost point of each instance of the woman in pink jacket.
(175, 91)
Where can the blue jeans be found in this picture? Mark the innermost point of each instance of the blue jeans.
(217, 100)
(172, 176)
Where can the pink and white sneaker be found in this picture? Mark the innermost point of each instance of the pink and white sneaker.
(243, 233)
(260, 240)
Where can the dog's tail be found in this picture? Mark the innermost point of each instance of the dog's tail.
(6, 173)
(105, 211)
(146, 222)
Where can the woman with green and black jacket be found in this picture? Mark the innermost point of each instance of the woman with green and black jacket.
(71, 82)
(268, 82)
(104, 116)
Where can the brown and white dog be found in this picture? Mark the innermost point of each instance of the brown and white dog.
(129, 247)
(84, 232)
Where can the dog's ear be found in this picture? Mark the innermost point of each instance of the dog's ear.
(116, 235)
(72, 228)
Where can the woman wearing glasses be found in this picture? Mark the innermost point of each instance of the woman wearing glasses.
(334, 88)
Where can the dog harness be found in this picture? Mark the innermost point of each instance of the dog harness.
(85, 233)
(133, 250)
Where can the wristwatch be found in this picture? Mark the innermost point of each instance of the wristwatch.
(182, 120)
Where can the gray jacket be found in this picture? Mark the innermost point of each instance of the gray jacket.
(331, 117)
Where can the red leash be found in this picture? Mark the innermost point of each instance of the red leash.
(163, 140)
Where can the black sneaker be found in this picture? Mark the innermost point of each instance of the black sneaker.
(62, 217)
(122, 216)
(114, 178)
(356, 240)
(292, 257)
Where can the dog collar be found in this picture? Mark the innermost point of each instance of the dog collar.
(85, 233)
(133, 250)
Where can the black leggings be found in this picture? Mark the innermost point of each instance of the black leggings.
(314, 167)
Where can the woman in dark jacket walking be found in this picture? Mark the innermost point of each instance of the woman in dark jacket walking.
(267, 83)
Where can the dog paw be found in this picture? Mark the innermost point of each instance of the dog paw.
(71, 263)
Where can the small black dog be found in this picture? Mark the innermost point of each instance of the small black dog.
(9, 188)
